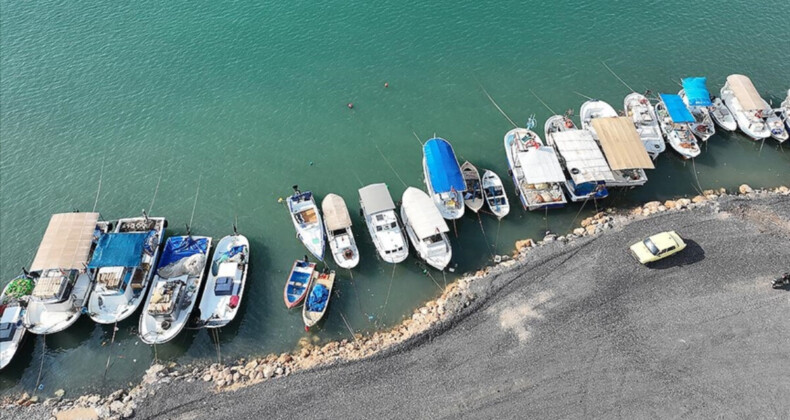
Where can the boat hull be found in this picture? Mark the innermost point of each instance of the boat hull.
(749, 125)
(298, 283)
(495, 195)
(437, 260)
(308, 223)
(641, 111)
(722, 116)
(310, 317)
(51, 318)
(216, 311)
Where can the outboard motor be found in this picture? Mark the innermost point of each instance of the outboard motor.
(781, 282)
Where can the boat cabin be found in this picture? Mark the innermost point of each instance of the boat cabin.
(166, 299)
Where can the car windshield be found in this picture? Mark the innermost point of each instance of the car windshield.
(651, 246)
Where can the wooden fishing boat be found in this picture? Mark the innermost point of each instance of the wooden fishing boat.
(12, 310)
(317, 300)
(473, 198)
(225, 283)
(298, 281)
(494, 193)
(674, 119)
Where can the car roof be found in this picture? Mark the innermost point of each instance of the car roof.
(664, 240)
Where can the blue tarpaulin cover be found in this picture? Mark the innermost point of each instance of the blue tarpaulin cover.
(179, 247)
(696, 92)
(442, 166)
(677, 109)
(119, 250)
(317, 299)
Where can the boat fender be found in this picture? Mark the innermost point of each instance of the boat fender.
(350, 105)
(165, 325)
(568, 123)
(386, 84)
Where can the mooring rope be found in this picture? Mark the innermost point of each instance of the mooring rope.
(109, 356)
(496, 105)
(194, 205)
(541, 101)
(389, 164)
(98, 190)
(480, 221)
(353, 335)
(43, 353)
(156, 191)
(618, 77)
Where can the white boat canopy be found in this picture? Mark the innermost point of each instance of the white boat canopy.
(541, 166)
(335, 212)
(376, 198)
(67, 242)
(583, 157)
(422, 213)
(621, 143)
(743, 89)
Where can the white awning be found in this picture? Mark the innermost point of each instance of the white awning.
(335, 212)
(583, 157)
(541, 166)
(424, 217)
(67, 242)
(376, 198)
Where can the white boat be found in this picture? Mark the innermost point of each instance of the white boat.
(175, 289)
(535, 169)
(617, 142)
(338, 231)
(721, 115)
(443, 178)
(674, 119)
(494, 193)
(317, 299)
(62, 282)
(697, 99)
(307, 221)
(225, 282)
(123, 265)
(474, 189)
(746, 105)
(12, 311)
(785, 107)
(775, 122)
(641, 111)
(585, 167)
(383, 226)
(426, 228)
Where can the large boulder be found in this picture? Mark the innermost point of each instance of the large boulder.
(745, 189)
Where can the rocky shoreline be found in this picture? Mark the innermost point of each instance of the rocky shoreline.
(245, 372)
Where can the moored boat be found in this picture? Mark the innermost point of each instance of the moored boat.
(585, 166)
(494, 193)
(338, 231)
(674, 118)
(307, 221)
(62, 282)
(785, 107)
(641, 111)
(443, 178)
(175, 288)
(535, 169)
(721, 115)
(473, 199)
(225, 282)
(383, 225)
(696, 97)
(298, 281)
(426, 228)
(317, 300)
(746, 105)
(12, 310)
(123, 265)
(775, 122)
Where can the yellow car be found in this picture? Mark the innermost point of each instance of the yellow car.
(658, 246)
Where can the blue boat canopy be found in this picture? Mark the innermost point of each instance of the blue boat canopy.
(442, 166)
(180, 247)
(119, 250)
(696, 92)
(677, 109)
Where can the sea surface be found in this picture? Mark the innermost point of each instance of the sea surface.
(233, 102)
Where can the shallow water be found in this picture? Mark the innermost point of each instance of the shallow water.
(248, 100)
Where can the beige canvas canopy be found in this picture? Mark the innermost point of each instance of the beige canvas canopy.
(744, 90)
(422, 213)
(335, 211)
(67, 242)
(621, 143)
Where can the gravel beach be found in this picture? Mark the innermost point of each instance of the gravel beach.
(574, 330)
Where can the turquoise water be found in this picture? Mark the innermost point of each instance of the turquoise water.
(251, 99)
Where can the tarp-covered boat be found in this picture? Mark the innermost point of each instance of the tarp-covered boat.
(674, 118)
(697, 98)
(383, 225)
(443, 178)
(317, 300)
(226, 281)
(175, 289)
(426, 228)
(124, 263)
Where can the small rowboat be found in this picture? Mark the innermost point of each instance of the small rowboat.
(495, 195)
(298, 282)
(473, 198)
(317, 301)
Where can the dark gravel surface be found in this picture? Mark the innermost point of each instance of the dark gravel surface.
(577, 331)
